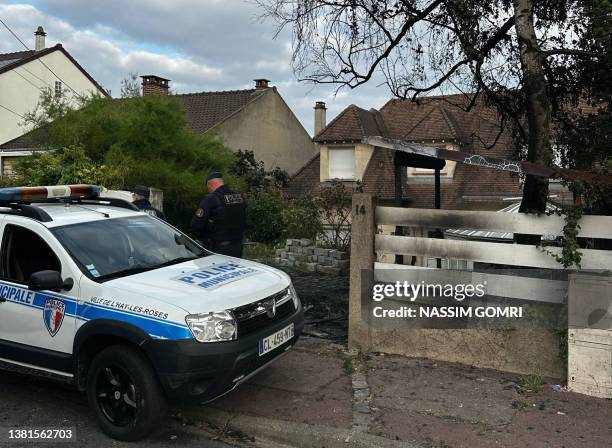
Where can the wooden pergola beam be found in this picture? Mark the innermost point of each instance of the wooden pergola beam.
(514, 166)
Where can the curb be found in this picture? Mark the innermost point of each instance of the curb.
(299, 434)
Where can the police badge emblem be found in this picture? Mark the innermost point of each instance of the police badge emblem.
(53, 315)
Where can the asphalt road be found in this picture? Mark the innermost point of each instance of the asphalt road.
(29, 403)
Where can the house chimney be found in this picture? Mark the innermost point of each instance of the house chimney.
(152, 84)
(39, 39)
(320, 116)
(261, 84)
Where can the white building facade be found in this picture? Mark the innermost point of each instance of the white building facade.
(24, 74)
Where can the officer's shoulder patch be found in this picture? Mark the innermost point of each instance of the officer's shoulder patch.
(199, 212)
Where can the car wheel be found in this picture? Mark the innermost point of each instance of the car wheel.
(124, 393)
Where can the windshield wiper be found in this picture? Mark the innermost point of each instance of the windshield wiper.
(125, 272)
(139, 269)
(174, 261)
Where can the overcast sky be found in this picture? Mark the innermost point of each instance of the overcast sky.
(198, 44)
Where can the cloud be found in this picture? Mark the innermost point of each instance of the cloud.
(198, 44)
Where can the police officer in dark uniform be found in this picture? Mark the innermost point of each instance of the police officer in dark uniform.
(140, 198)
(220, 220)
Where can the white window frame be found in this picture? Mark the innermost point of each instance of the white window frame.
(427, 171)
(341, 174)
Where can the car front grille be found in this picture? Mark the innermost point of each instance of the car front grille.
(257, 316)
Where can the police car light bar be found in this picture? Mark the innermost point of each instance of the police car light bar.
(26, 194)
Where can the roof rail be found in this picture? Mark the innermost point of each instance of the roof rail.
(113, 202)
(28, 211)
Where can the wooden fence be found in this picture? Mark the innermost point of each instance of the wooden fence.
(519, 351)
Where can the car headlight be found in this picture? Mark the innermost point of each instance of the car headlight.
(212, 327)
(294, 296)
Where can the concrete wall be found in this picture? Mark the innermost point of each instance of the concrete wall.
(590, 334)
(22, 95)
(523, 351)
(268, 127)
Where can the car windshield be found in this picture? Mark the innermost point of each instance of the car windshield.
(118, 247)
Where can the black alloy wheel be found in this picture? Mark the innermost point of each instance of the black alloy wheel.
(124, 393)
(118, 398)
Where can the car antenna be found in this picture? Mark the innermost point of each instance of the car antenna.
(106, 215)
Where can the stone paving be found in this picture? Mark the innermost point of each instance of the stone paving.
(414, 402)
(307, 385)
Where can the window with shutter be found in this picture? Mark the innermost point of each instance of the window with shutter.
(342, 163)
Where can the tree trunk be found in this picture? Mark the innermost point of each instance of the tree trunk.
(535, 190)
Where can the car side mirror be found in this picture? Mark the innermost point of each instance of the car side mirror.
(52, 280)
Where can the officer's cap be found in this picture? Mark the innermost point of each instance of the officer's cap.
(213, 175)
(142, 190)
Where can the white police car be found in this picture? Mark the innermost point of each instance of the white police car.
(128, 308)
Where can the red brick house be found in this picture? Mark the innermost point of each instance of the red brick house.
(435, 121)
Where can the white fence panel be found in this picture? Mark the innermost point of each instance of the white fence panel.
(590, 226)
(497, 253)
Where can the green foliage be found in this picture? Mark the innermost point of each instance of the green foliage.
(263, 253)
(255, 175)
(130, 87)
(265, 216)
(531, 383)
(122, 143)
(570, 252)
(335, 211)
(302, 218)
(69, 165)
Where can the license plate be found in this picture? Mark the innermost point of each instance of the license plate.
(274, 340)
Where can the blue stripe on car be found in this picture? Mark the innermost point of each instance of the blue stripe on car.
(155, 327)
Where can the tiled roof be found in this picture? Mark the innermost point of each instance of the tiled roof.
(25, 142)
(11, 58)
(433, 119)
(352, 124)
(207, 109)
(16, 55)
(306, 180)
(203, 111)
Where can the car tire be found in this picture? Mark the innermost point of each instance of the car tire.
(124, 393)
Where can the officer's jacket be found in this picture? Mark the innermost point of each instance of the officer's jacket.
(145, 206)
(221, 216)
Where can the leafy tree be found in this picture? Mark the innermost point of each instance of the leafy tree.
(586, 138)
(522, 56)
(142, 140)
(254, 172)
(130, 87)
(69, 165)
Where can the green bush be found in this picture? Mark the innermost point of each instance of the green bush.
(265, 217)
(69, 165)
(302, 218)
(122, 143)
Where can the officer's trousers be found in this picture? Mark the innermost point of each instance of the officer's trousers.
(229, 248)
